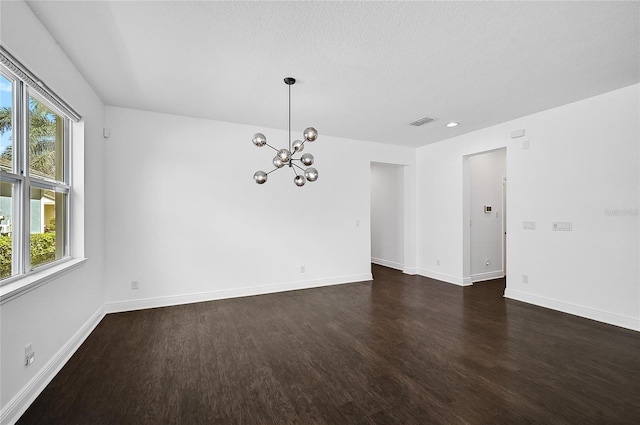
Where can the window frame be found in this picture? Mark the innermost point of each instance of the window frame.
(23, 181)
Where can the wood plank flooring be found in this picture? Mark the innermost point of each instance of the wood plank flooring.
(399, 350)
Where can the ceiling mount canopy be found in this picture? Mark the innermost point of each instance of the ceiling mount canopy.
(286, 156)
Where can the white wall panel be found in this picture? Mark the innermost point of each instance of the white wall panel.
(187, 221)
(581, 166)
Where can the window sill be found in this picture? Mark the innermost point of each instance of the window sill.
(34, 280)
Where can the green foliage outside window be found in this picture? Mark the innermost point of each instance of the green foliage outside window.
(5, 256)
(42, 133)
(43, 250)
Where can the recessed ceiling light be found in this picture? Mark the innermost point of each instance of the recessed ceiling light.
(452, 124)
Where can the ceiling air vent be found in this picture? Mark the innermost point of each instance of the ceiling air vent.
(422, 121)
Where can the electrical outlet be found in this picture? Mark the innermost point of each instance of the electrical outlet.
(486, 263)
(437, 262)
(529, 225)
(134, 284)
(302, 269)
(29, 355)
(525, 278)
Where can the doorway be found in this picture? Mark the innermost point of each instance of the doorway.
(504, 225)
(485, 215)
(387, 215)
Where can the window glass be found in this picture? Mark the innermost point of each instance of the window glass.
(6, 123)
(48, 219)
(6, 241)
(46, 142)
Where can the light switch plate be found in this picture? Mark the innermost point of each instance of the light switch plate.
(562, 226)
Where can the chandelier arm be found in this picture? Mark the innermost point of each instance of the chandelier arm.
(272, 171)
(296, 165)
(271, 147)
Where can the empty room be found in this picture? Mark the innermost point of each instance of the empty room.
(318, 212)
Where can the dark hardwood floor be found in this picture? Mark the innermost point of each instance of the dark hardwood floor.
(399, 350)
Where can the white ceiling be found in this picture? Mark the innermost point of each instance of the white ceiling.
(364, 69)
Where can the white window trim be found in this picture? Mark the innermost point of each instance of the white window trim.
(18, 285)
(15, 286)
(21, 71)
(35, 279)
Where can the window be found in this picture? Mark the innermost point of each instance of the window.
(35, 181)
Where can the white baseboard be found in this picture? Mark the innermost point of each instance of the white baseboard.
(410, 270)
(480, 277)
(141, 304)
(387, 263)
(23, 399)
(574, 309)
(445, 277)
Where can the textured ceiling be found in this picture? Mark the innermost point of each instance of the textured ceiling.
(364, 69)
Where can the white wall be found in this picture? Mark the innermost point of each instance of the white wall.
(387, 215)
(186, 220)
(486, 173)
(583, 160)
(56, 316)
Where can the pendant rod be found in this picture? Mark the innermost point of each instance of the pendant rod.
(289, 117)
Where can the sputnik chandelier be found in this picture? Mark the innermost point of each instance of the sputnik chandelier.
(285, 156)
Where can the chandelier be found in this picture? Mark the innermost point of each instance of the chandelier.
(285, 157)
